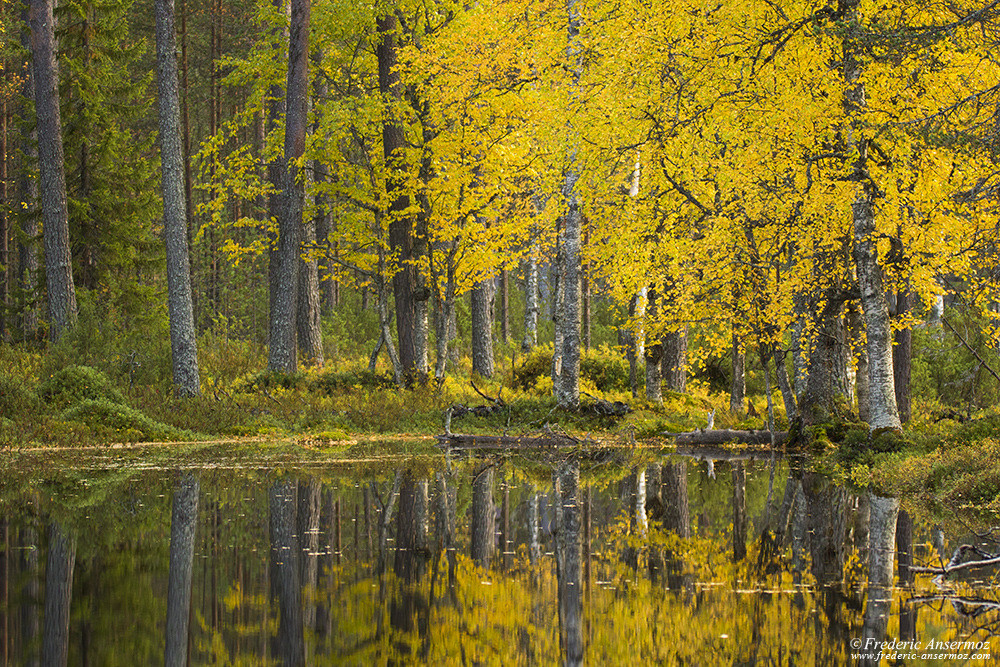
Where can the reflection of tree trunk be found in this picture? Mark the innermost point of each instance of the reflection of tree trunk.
(289, 645)
(307, 528)
(4, 586)
(568, 556)
(800, 530)
(505, 540)
(636, 498)
(904, 552)
(483, 515)
(826, 506)
(534, 526)
(739, 511)
(58, 594)
(411, 529)
(28, 543)
(409, 611)
(881, 552)
(183, 520)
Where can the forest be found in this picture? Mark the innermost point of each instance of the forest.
(282, 217)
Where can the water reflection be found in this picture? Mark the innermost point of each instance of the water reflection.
(561, 560)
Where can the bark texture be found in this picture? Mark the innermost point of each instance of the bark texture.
(282, 352)
(675, 346)
(530, 339)
(55, 217)
(402, 240)
(183, 520)
(482, 298)
(566, 370)
(183, 343)
(310, 336)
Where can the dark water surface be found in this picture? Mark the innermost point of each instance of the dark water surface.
(623, 560)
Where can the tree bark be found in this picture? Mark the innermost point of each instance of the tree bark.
(482, 298)
(282, 351)
(530, 339)
(27, 211)
(55, 217)
(6, 268)
(738, 389)
(902, 352)
(183, 522)
(675, 360)
(401, 234)
(824, 385)
(58, 595)
(566, 372)
(183, 343)
(883, 411)
(310, 335)
(654, 356)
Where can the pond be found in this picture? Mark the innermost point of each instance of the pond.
(602, 558)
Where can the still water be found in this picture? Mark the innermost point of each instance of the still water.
(618, 559)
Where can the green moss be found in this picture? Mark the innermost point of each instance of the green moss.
(73, 384)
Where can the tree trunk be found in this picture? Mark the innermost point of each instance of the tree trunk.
(55, 217)
(482, 327)
(322, 217)
(58, 595)
(824, 377)
(883, 411)
(183, 342)
(781, 373)
(530, 339)
(483, 517)
(6, 268)
(401, 237)
(282, 352)
(902, 350)
(310, 336)
(446, 312)
(738, 389)
(566, 372)
(286, 587)
(505, 305)
(675, 360)
(654, 356)
(183, 521)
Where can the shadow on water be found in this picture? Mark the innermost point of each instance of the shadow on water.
(716, 557)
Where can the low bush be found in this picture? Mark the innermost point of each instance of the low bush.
(73, 384)
(122, 422)
(603, 367)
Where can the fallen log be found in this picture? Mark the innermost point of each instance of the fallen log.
(485, 442)
(727, 436)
